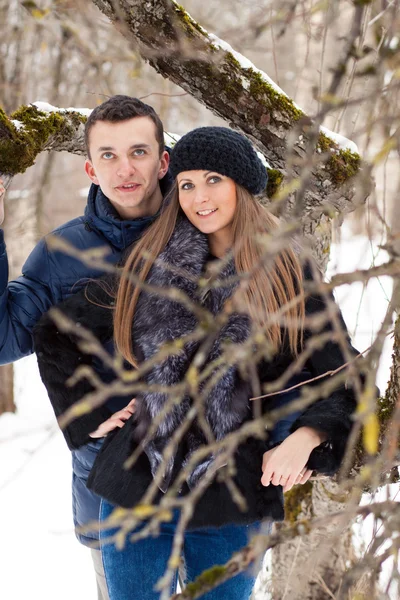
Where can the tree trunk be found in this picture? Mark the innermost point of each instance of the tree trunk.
(7, 389)
(312, 567)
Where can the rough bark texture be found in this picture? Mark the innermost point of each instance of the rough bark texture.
(312, 567)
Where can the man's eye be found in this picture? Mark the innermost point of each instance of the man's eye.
(139, 152)
(108, 155)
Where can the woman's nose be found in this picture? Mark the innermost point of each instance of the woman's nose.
(201, 196)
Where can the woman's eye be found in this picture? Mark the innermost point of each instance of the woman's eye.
(214, 179)
(186, 186)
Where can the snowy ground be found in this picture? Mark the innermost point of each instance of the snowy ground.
(40, 556)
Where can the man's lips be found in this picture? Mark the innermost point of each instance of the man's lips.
(127, 187)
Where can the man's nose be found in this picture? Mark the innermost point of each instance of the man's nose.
(125, 167)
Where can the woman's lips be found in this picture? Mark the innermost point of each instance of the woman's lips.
(213, 211)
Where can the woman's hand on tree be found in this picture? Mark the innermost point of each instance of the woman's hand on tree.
(118, 419)
(285, 464)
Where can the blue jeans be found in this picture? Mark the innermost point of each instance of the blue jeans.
(132, 573)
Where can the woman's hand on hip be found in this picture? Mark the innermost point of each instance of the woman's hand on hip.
(118, 419)
(285, 465)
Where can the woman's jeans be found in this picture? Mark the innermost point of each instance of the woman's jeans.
(133, 572)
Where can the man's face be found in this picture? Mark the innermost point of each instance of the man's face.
(125, 162)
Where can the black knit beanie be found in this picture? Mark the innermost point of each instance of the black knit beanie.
(221, 150)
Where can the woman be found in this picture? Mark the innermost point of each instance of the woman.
(257, 301)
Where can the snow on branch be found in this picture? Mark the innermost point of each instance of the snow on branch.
(342, 142)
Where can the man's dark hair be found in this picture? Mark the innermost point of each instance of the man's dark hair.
(121, 108)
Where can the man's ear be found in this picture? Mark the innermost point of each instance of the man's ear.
(90, 172)
(164, 163)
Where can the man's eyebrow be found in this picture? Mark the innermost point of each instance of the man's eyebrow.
(112, 149)
(142, 145)
(105, 149)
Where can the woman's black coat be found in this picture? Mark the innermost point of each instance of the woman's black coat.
(159, 320)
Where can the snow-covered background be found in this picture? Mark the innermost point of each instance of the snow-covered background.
(40, 555)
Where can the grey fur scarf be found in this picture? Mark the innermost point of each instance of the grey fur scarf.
(159, 320)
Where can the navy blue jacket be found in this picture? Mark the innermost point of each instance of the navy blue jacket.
(50, 277)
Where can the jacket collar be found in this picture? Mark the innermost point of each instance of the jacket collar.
(102, 216)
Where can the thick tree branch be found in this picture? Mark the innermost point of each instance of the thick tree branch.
(181, 50)
(29, 131)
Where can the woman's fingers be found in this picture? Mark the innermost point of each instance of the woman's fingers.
(125, 413)
(287, 480)
(279, 479)
(131, 405)
(306, 476)
(302, 478)
(116, 420)
(267, 467)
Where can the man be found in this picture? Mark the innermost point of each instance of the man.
(128, 166)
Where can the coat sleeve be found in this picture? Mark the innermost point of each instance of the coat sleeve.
(333, 414)
(59, 356)
(22, 302)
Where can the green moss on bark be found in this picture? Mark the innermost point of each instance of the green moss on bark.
(229, 81)
(342, 164)
(267, 95)
(294, 498)
(189, 24)
(207, 580)
(275, 179)
(19, 147)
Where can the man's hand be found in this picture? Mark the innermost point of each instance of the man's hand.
(2, 194)
(285, 465)
(116, 420)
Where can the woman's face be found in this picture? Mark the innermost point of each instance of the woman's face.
(208, 199)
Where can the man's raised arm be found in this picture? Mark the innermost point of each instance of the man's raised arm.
(23, 301)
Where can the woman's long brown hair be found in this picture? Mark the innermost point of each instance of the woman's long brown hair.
(264, 293)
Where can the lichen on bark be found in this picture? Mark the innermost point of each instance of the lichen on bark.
(294, 500)
(342, 164)
(275, 178)
(37, 131)
(206, 580)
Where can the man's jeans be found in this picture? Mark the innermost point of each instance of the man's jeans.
(102, 592)
(133, 572)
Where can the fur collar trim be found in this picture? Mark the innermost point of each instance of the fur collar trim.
(159, 320)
